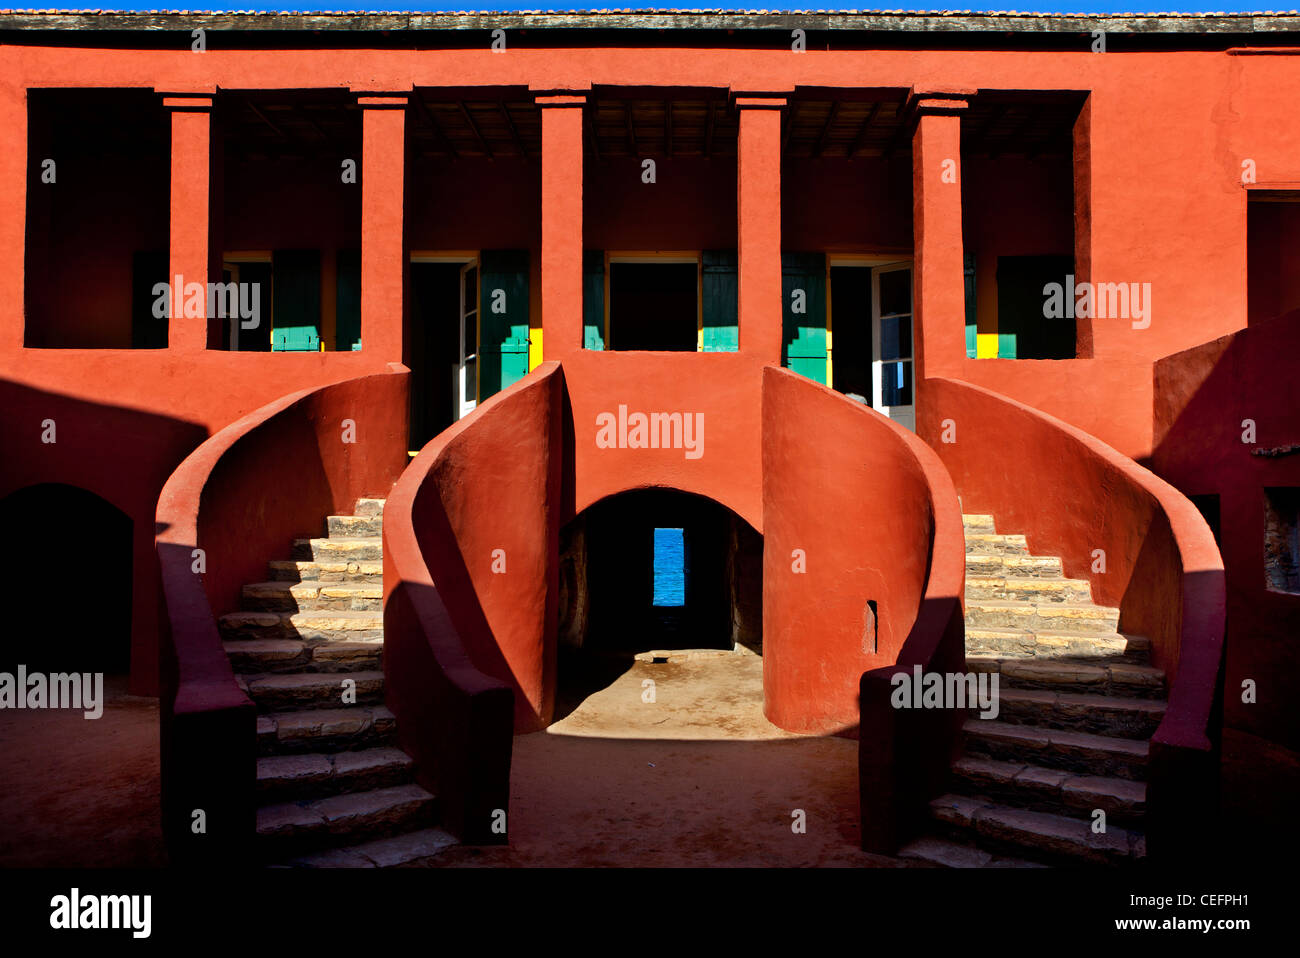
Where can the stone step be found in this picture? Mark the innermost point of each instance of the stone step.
(1038, 835)
(281, 596)
(942, 853)
(354, 527)
(294, 570)
(991, 543)
(370, 507)
(282, 691)
(1031, 617)
(1068, 675)
(974, 522)
(294, 655)
(1045, 644)
(1028, 589)
(318, 774)
(1081, 752)
(365, 549)
(1050, 789)
(408, 850)
(312, 627)
(320, 730)
(1013, 566)
(295, 827)
(1121, 716)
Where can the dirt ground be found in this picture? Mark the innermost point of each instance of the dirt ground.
(696, 777)
(78, 793)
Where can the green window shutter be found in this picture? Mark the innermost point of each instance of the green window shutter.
(296, 314)
(804, 333)
(503, 320)
(148, 268)
(719, 284)
(348, 300)
(971, 321)
(593, 299)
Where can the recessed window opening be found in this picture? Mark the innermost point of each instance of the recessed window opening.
(1282, 540)
(654, 302)
(670, 568)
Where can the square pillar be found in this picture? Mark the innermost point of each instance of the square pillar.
(190, 217)
(562, 173)
(383, 238)
(13, 215)
(758, 214)
(939, 287)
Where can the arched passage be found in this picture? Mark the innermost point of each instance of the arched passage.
(77, 552)
(660, 569)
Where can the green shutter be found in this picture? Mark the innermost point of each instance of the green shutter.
(148, 268)
(971, 311)
(593, 299)
(295, 316)
(718, 286)
(804, 334)
(503, 320)
(347, 328)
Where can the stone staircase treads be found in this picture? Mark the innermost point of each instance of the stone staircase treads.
(278, 691)
(1081, 752)
(354, 527)
(1014, 566)
(977, 523)
(318, 774)
(311, 596)
(1027, 588)
(373, 813)
(991, 543)
(409, 850)
(368, 549)
(299, 570)
(334, 789)
(1122, 716)
(313, 730)
(1101, 675)
(1027, 616)
(1058, 838)
(1050, 789)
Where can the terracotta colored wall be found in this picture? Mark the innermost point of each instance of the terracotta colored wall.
(1202, 397)
(845, 486)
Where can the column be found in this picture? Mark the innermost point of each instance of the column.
(561, 330)
(758, 214)
(383, 246)
(188, 256)
(939, 292)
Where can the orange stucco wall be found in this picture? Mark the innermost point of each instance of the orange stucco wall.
(1167, 135)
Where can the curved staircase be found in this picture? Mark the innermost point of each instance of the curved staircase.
(1078, 702)
(333, 788)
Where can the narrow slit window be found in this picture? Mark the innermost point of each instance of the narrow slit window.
(670, 567)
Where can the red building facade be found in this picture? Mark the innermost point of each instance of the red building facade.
(480, 235)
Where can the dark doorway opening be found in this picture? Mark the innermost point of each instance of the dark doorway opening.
(660, 569)
(433, 348)
(654, 306)
(851, 324)
(1022, 315)
(85, 620)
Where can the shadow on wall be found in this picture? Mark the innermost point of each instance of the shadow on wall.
(1227, 431)
(121, 456)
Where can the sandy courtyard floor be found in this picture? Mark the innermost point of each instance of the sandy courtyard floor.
(697, 777)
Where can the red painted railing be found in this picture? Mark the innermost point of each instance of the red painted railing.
(1143, 546)
(235, 502)
(468, 653)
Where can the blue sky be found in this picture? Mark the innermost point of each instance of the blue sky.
(1037, 6)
